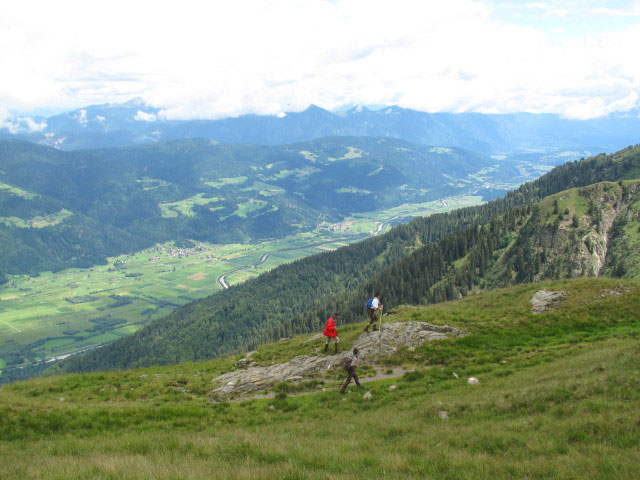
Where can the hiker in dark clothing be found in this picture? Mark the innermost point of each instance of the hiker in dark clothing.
(331, 333)
(350, 366)
(373, 306)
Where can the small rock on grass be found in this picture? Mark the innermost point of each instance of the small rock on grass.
(61, 399)
(272, 407)
(443, 415)
(473, 381)
(368, 396)
(392, 387)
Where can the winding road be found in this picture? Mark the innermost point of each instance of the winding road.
(381, 226)
(222, 279)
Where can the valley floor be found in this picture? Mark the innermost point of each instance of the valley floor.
(54, 314)
(558, 398)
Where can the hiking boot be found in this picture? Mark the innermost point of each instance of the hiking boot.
(366, 329)
(375, 329)
(336, 349)
(326, 347)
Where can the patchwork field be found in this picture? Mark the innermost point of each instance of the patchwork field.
(39, 221)
(185, 207)
(54, 314)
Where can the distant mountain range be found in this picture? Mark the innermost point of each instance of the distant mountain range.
(134, 122)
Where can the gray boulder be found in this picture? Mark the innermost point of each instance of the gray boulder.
(543, 300)
(615, 293)
(315, 338)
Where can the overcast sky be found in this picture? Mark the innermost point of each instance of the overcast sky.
(211, 59)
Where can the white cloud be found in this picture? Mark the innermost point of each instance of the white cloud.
(145, 117)
(19, 124)
(200, 59)
(100, 118)
(31, 125)
(583, 8)
(5, 117)
(561, 10)
(81, 116)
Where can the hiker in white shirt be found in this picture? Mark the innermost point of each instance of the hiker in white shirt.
(375, 305)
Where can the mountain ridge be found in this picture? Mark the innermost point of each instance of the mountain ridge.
(99, 126)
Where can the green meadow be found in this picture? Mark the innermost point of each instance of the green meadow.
(185, 207)
(558, 398)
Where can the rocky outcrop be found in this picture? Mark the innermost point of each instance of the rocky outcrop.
(543, 300)
(372, 346)
(620, 290)
(246, 362)
(315, 338)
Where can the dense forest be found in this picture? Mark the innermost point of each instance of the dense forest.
(429, 259)
(74, 209)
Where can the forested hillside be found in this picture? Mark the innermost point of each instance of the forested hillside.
(73, 209)
(433, 258)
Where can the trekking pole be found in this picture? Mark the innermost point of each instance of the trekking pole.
(380, 336)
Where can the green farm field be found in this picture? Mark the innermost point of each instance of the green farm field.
(52, 315)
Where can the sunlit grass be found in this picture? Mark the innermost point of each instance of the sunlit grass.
(558, 398)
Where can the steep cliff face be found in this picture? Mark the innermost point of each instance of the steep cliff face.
(589, 231)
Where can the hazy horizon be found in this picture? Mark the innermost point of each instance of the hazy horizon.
(203, 60)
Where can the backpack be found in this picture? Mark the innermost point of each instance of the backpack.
(345, 363)
(370, 303)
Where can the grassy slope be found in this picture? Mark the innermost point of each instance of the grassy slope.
(558, 398)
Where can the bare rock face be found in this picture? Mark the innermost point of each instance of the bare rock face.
(543, 300)
(374, 345)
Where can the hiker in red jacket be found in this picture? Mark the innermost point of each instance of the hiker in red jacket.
(331, 333)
